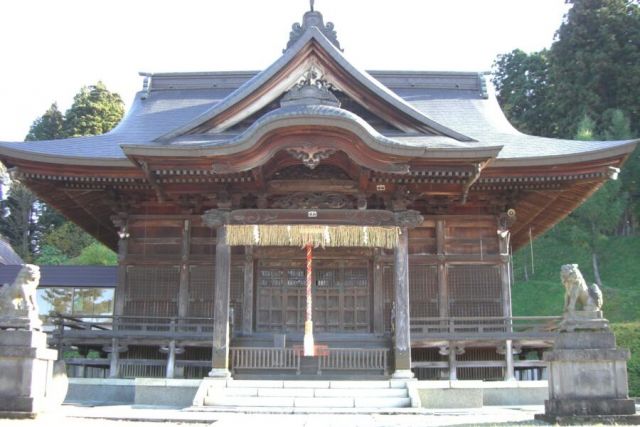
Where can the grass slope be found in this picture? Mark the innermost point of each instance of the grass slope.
(543, 295)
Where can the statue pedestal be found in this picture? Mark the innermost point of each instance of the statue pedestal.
(29, 384)
(587, 375)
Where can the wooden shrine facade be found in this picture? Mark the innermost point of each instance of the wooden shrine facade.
(313, 141)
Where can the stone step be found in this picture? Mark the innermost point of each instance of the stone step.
(308, 402)
(359, 392)
(313, 384)
(308, 392)
(249, 401)
(382, 402)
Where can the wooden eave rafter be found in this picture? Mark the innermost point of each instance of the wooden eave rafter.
(557, 208)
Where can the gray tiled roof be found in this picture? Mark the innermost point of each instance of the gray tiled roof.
(61, 276)
(452, 101)
(7, 255)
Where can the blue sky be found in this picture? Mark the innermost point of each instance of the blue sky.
(52, 48)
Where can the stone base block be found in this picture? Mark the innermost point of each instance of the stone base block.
(588, 407)
(451, 398)
(589, 420)
(20, 404)
(30, 381)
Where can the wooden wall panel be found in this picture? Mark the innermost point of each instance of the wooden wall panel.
(152, 291)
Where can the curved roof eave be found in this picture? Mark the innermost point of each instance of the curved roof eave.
(32, 156)
(322, 116)
(364, 78)
(613, 149)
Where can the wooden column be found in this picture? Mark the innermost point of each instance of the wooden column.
(122, 223)
(453, 366)
(171, 359)
(402, 341)
(183, 290)
(114, 355)
(505, 221)
(378, 294)
(509, 374)
(443, 289)
(247, 297)
(402, 334)
(220, 349)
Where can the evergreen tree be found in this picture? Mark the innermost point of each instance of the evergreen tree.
(94, 111)
(48, 126)
(523, 91)
(591, 224)
(19, 219)
(595, 63)
(35, 229)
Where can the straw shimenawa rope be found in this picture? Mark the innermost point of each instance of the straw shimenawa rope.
(316, 235)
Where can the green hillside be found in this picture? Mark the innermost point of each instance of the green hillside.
(543, 294)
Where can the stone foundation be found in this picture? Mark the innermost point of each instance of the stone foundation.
(587, 375)
(27, 372)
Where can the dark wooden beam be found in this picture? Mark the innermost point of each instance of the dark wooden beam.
(148, 173)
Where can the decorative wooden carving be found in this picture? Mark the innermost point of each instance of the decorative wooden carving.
(402, 198)
(312, 89)
(218, 217)
(310, 155)
(477, 169)
(408, 219)
(321, 172)
(215, 218)
(120, 222)
(362, 201)
(312, 201)
(312, 19)
(151, 178)
(224, 200)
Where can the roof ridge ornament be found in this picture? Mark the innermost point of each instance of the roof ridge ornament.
(313, 19)
(311, 89)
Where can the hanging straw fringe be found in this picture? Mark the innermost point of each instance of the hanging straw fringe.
(316, 235)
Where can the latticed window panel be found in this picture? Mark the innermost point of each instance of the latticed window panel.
(341, 297)
(388, 295)
(201, 291)
(237, 293)
(280, 299)
(474, 290)
(152, 291)
(423, 290)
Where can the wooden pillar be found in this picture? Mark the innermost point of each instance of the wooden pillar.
(183, 290)
(171, 359)
(504, 222)
(122, 223)
(114, 355)
(453, 366)
(402, 341)
(220, 350)
(443, 289)
(509, 374)
(378, 294)
(247, 297)
(217, 219)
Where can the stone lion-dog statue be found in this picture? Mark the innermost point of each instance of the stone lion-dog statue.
(19, 298)
(578, 296)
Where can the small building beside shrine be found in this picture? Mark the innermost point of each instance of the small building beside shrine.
(383, 205)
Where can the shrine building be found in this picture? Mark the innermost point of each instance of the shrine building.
(313, 219)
